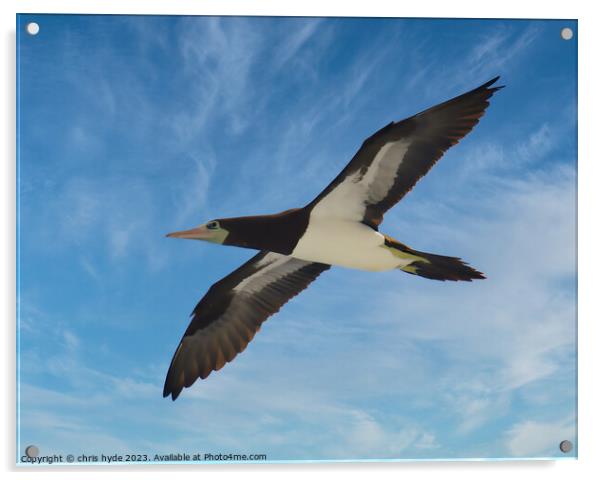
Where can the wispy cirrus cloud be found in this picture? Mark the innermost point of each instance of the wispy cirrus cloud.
(533, 342)
(539, 439)
(218, 59)
(523, 304)
(268, 416)
(296, 39)
(499, 50)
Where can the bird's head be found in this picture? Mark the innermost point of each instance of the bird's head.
(211, 231)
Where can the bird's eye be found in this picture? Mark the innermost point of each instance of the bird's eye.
(213, 225)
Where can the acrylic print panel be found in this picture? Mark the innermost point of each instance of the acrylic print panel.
(132, 127)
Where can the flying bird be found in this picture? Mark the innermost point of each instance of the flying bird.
(339, 227)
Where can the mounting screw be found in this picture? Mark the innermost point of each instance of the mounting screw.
(32, 28)
(566, 33)
(32, 451)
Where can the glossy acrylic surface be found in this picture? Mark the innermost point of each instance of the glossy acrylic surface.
(133, 127)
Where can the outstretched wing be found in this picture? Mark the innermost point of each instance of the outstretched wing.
(228, 316)
(391, 161)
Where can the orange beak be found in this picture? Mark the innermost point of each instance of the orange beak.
(198, 233)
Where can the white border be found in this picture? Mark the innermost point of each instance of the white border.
(590, 240)
(374, 8)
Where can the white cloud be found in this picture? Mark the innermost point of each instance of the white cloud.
(295, 41)
(108, 210)
(219, 56)
(193, 192)
(71, 340)
(493, 338)
(515, 329)
(495, 158)
(538, 144)
(498, 50)
(476, 408)
(535, 439)
(362, 436)
(89, 268)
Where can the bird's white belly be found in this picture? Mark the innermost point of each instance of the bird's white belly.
(346, 244)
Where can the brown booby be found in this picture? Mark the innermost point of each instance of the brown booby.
(339, 227)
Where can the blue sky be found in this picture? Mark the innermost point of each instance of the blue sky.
(132, 127)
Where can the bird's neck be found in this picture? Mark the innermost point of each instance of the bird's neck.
(277, 233)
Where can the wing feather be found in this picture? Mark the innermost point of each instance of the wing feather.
(390, 162)
(231, 313)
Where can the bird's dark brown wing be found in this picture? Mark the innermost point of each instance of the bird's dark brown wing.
(228, 316)
(391, 161)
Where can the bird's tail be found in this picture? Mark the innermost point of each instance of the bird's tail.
(439, 267)
(434, 267)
